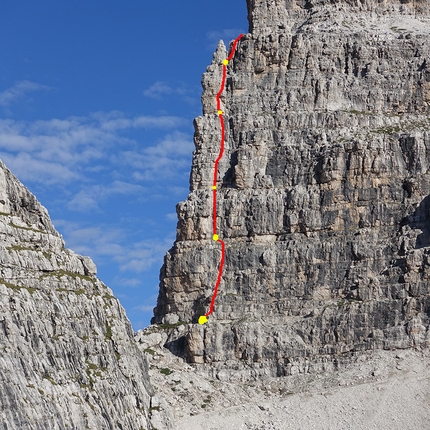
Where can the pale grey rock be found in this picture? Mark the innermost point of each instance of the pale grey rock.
(89, 266)
(161, 416)
(170, 319)
(68, 359)
(323, 200)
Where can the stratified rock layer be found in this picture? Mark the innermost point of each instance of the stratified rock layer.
(67, 355)
(323, 201)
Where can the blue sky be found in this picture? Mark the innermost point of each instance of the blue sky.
(97, 99)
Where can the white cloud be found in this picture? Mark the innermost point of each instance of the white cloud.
(145, 308)
(179, 191)
(143, 255)
(59, 150)
(157, 89)
(84, 201)
(27, 168)
(89, 197)
(173, 144)
(172, 216)
(101, 242)
(19, 90)
(93, 241)
(168, 157)
(128, 282)
(121, 187)
(161, 88)
(121, 123)
(149, 304)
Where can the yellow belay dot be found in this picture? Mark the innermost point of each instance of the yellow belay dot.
(203, 319)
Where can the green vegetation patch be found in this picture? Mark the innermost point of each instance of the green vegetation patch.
(91, 366)
(166, 371)
(49, 378)
(396, 29)
(78, 292)
(170, 326)
(387, 130)
(60, 273)
(108, 297)
(16, 287)
(359, 112)
(19, 248)
(108, 335)
(26, 228)
(93, 369)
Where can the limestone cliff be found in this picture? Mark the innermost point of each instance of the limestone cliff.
(68, 359)
(323, 202)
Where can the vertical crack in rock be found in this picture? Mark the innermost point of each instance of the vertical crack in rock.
(324, 203)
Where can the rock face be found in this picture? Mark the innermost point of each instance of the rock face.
(68, 359)
(323, 199)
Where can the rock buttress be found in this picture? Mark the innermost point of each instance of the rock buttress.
(323, 200)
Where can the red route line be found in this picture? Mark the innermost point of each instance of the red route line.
(218, 281)
(214, 187)
(221, 152)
